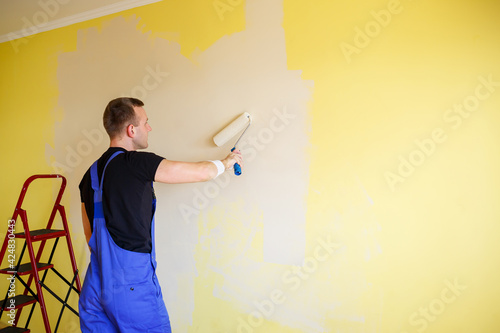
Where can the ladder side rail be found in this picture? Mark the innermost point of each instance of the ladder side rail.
(70, 248)
(18, 313)
(34, 276)
(32, 307)
(55, 209)
(27, 288)
(57, 203)
(24, 220)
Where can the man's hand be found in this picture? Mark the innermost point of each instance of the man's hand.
(234, 157)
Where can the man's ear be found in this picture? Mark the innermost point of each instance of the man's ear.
(130, 131)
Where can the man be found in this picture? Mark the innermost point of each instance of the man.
(121, 292)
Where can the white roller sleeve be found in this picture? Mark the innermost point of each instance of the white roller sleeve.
(232, 129)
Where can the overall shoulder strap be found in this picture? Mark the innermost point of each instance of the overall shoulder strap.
(104, 171)
(97, 187)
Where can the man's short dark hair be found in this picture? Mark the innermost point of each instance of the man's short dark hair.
(119, 113)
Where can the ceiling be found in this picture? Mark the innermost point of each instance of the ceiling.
(16, 15)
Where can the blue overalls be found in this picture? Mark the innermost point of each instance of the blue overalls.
(121, 292)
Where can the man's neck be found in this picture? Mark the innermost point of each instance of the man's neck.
(121, 144)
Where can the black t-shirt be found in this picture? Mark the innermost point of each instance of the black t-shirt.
(127, 197)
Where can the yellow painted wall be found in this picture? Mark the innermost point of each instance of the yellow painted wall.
(371, 208)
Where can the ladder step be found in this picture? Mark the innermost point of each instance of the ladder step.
(41, 234)
(25, 269)
(19, 301)
(12, 329)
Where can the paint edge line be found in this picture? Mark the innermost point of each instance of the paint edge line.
(77, 18)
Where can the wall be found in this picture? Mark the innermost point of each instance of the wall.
(367, 202)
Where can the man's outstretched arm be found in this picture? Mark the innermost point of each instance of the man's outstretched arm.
(173, 172)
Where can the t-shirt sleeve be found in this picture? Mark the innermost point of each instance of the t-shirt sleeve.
(144, 164)
(83, 186)
(87, 196)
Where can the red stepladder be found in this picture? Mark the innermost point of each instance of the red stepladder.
(31, 270)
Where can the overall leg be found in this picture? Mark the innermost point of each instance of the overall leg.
(92, 315)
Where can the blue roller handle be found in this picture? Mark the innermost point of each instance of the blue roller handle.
(237, 167)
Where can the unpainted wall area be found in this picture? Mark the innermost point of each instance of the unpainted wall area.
(367, 200)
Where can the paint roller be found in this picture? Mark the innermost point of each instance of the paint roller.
(231, 130)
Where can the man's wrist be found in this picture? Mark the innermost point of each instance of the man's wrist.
(226, 164)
